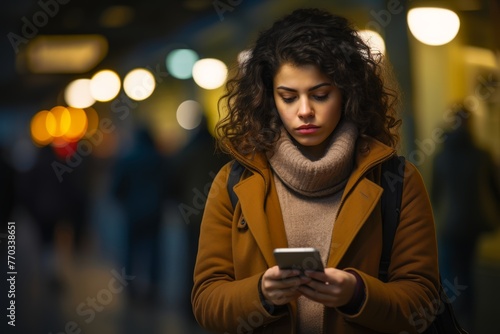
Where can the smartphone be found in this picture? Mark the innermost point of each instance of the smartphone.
(307, 258)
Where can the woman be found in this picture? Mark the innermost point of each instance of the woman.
(311, 119)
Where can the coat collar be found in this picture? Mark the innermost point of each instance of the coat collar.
(260, 204)
(369, 153)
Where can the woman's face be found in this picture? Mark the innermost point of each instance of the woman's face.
(308, 104)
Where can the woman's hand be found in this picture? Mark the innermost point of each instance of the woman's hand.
(332, 288)
(279, 287)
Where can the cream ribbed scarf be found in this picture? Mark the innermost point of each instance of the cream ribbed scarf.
(309, 193)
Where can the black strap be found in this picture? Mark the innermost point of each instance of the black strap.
(233, 178)
(392, 178)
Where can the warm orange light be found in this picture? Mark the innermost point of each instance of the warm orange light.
(78, 125)
(58, 121)
(63, 125)
(59, 142)
(39, 133)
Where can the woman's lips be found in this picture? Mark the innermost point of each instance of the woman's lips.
(307, 129)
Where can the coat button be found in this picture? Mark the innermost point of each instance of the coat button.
(242, 225)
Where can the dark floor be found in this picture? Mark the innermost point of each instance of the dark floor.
(60, 291)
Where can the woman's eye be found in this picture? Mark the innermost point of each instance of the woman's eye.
(288, 99)
(320, 97)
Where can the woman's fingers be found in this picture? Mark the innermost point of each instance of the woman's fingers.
(280, 286)
(277, 273)
(332, 288)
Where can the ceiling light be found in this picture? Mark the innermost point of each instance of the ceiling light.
(209, 73)
(139, 84)
(105, 85)
(432, 25)
(116, 16)
(65, 54)
(373, 40)
(77, 94)
(180, 63)
(189, 114)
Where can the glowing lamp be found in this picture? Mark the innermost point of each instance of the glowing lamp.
(209, 73)
(433, 26)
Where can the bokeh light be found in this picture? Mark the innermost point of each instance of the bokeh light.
(92, 121)
(189, 114)
(105, 85)
(77, 94)
(180, 63)
(433, 26)
(209, 73)
(38, 127)
(59, 126)
(373, 40)
(139, 84)
(64, 149)
(58, 121)
(78, 125)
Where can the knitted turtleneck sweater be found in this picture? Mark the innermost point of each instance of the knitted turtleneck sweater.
(309, 193)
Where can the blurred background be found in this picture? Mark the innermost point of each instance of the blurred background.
(106, 116)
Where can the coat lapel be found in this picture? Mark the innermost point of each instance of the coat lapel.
(266, 226)
(360, 197)
(353, 213)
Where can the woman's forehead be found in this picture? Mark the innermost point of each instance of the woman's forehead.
(299, 76)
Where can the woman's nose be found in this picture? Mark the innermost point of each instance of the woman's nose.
(305, 109)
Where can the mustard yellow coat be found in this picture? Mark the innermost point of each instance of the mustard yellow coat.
(236, 249)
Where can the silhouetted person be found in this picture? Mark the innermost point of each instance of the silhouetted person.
(463, 186)
(139, 187)
(54, 203)
(195, 168)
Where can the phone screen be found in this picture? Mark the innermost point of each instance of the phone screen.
(299, 258)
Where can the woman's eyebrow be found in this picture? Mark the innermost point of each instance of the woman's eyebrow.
(310, 89)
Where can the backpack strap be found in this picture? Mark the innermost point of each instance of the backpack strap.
(233, 178)
(392, 178)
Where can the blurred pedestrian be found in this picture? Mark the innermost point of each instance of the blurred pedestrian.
(139, 187)
(59, 209)
(465, 194)
(195, 168)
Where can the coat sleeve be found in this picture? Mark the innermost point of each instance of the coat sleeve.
(220, 302)
(409, 300)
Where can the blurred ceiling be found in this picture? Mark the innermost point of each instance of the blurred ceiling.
(125, 25)
(139, 29)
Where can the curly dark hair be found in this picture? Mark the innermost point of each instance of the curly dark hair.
(304, 37)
